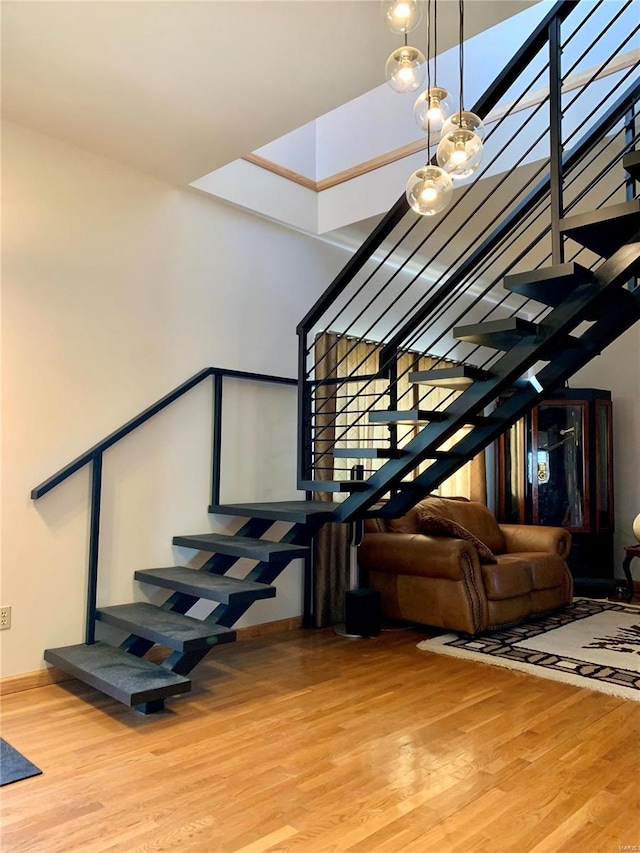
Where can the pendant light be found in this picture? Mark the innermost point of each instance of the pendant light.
(405, 69)
(460, 148)
(429, 188)
(433, 106)
(401, 16)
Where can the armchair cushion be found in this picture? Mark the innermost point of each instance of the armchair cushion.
(476, 518)
(439, 526)
(543, 566)
(508, 579)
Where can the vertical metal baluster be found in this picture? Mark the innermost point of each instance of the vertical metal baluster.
(555, 139)
(216, 460)
(305, 428)
(94, 545)
(393, 403)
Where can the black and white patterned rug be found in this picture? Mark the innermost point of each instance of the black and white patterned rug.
(590, 643)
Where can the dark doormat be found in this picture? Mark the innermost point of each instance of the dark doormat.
(14, 766)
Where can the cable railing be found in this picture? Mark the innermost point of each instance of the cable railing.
(548, 150)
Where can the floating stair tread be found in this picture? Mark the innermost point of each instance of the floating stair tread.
(202, 584)
(631, 164)
(455, 378)
(367, 453)
(604, 230)
(179, 632)
(125, 677)
(408, 416)
(550, 285)
(298, 512)
(333, 486)
(262, 550)
(353, 377)
(498, 334)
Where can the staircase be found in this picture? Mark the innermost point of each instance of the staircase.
(576, 294)
(123, 673)
(505, 318)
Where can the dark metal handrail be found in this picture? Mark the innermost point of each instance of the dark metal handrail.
(94, 456)
(139, 419)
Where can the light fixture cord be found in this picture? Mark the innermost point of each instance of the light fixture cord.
(428, 81)
(461, 55)
(435, 41)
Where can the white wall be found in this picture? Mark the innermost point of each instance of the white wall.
(116, 288)
(618, 370)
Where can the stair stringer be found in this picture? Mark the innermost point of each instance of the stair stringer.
(225, 614)
(228, 614)
(121, 671)
(554, 329)
(181, 603)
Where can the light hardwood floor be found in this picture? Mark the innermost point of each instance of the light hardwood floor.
(310, 743)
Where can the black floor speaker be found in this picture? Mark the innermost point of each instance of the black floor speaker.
(362, 612)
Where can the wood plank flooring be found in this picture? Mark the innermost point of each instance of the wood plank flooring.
(311, 743)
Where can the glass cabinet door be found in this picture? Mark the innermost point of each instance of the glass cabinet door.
(556, 465)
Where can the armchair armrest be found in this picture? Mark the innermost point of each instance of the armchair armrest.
(417, 554)
(532, 537)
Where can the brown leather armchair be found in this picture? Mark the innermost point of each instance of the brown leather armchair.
(442, 580)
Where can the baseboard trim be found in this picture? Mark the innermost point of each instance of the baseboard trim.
(53, 675)
(30, 680)
(267, 629)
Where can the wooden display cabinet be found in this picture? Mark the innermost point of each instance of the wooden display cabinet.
(555, 467)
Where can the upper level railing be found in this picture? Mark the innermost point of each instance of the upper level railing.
(94, 457)
(559, 119)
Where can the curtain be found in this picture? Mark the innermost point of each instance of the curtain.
(341, 421)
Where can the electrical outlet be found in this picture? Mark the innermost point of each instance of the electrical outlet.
(5, 618)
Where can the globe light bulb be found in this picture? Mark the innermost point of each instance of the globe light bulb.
(406, 73)
(405, 69)
(401, 16)
(432, 108)
(429, 190)
(459, 154)
(460, 150)
(401, 13)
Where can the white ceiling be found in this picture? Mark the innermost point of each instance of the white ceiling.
(179, 88)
